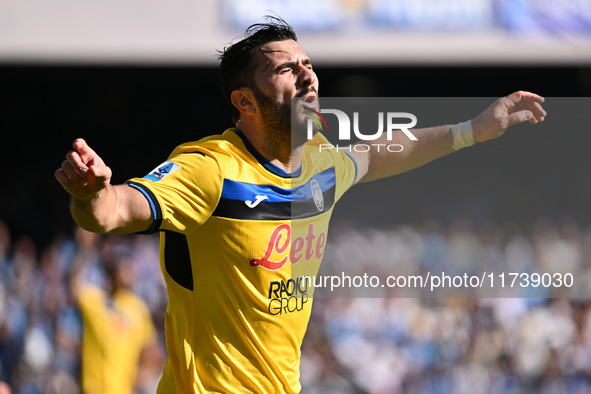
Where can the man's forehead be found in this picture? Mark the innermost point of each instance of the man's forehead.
(277, 52)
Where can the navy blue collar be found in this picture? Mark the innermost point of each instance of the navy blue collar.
(264, 161)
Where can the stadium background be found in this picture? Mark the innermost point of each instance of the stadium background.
(136, 82)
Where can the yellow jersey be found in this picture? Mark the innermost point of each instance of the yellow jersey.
(238, 238)
(115, 332)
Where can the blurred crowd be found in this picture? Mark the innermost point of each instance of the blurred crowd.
(386, 344)
(40, 324)
(501, 344)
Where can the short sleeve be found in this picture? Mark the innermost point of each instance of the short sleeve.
(182, 192)
(345, 172)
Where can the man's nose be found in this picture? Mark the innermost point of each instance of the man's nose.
(307, 77)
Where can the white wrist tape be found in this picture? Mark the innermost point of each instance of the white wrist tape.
(462, 134)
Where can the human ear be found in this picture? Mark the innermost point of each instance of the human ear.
(243, 100)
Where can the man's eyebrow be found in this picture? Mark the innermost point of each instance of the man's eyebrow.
(282, 66)
(291, 64)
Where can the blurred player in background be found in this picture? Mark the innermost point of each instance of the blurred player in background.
(237, 211)
(118, 330)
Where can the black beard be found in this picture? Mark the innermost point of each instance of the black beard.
(277, 124)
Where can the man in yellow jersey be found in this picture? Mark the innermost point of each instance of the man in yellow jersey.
(240, 212)
(118, 328)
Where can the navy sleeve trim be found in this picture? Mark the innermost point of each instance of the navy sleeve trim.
(154, 206)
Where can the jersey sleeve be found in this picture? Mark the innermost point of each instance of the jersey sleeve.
(182, 192)
(345, 172)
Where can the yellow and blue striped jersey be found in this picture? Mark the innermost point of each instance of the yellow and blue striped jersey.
(238, 235)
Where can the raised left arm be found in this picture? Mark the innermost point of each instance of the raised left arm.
(438, 141)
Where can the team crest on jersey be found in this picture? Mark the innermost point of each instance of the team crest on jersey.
(317, 194)
(162, 171)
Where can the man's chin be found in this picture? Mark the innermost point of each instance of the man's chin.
(303, 105)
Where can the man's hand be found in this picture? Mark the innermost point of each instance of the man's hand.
(83, 174)
(97, 205)
(507, 111)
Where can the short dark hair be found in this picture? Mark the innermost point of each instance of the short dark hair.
(237, 64)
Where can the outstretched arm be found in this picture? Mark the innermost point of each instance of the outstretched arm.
(435, 142)
(96, 205)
